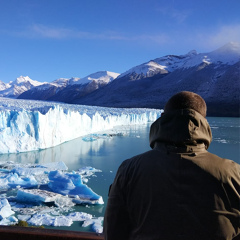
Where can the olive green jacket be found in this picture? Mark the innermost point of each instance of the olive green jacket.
(178, 190)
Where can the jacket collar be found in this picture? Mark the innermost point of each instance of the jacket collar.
(183, 127)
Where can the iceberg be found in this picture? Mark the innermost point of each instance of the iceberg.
(60, 187)
(71, 184)
(5, 209)
(15, 175)
(79, 216)
(36, 196)
(39, 169)
(48, 220)
(43, 205)
(9, 221)
(27, 125)
(60, 220)
(96, 224)
(13, 180)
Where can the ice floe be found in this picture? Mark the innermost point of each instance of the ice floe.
(96, 224)
(5, 209)
(49, 202)
(71, 184)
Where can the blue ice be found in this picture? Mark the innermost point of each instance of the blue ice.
(70, 184)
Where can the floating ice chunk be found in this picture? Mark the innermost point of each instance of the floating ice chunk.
(78, 200)
(39, 169)
(86, 170)
(26, 209)
(96, 136)
(89, 139)
(48, 220)
(63, 201)
(54, 166)
(71, 184)
(13, 180)
(9, 221)
(24, 217)
(96, 224)
(28, 171)
(5, 209)
(36, 196)
(79, 216)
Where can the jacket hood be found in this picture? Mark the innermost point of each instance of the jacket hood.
(182, 126)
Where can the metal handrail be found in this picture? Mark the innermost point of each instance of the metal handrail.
(28, 233)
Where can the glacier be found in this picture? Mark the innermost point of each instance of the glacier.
(43, 193)
(27, 125)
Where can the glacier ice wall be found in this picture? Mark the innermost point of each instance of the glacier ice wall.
(32, 125)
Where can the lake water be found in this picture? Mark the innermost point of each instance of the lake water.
(107, 153)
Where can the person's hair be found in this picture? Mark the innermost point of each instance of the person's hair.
(186, 100)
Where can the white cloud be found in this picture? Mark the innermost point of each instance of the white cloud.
(217, 38)
(230, 33)
(178, 15)
(39, 30)
(42, 31)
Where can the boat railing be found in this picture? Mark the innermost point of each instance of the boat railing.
(29, 233)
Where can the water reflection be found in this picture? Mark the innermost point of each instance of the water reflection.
(78, 153)
(111, 148)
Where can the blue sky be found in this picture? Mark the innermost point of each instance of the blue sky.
(50, 39)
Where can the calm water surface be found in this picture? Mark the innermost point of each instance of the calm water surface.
(107, 154)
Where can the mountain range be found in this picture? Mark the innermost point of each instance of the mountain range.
(214, 75)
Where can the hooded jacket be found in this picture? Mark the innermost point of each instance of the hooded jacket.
(177, 190)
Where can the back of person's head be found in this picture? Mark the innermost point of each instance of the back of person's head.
(186, 100)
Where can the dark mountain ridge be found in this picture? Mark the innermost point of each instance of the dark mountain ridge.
(215, 76)
(221, 92)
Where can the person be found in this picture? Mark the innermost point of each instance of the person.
(177, 190)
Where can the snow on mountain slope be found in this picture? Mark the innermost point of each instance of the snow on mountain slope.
(204, 73)
(73, 80)
(215, 76)
(65, 90)
(146, 69)
(23, 80)
(61, 82)
(101, 76)
(31, 125)
(228, 54)
(3, 86)
(20, 85)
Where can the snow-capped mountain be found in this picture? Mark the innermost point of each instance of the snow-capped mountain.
(228, 54)
(215, 76)
(101, 77)
(3, 86)
(66, 90)
(61, 82)
(15, 88)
